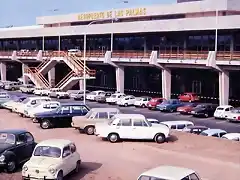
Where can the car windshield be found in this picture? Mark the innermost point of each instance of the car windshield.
(47, 151)
(150, 178)
(7, 138)
(25, 101)
(236, 111)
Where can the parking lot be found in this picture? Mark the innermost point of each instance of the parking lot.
(210, 157)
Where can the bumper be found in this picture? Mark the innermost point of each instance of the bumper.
(75, 126)
(37, 178)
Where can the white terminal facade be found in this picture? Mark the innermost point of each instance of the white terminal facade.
(163, 37)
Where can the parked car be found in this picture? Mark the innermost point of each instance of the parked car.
(41, 92)
(131, 126)
(142, 101)
(177, 125)
(62, 116)
(195, 129)
(232, 136)
(222, 111)
(233, 115)
(52, 159)
(58, 93)
(11, 103)
(170, 173)
(92, 95)
(188, 97)
(214, 133)
(152, 104)
(79, 95)
(204, 110)
(86, 124)
(114, 98)
(4, 97)
(126, 101)
(102, 98)
(75, 52)
(41, 107)
(186, 108)
(169, 105)
(27, 88)
(13, 86)
(16, 146)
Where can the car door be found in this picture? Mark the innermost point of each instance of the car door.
(132, 100)
(30, 144)
(68, 160)
(63, 116)
(125, 128)
(140, 129)
(22, 149)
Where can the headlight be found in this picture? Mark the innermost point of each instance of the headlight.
(52, 170)
(2, 158)
(25, 168)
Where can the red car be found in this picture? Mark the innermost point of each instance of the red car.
(154, 102)
(188, 97)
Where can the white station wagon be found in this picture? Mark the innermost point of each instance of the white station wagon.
(52, 159)
(131, 126)
(169, 173)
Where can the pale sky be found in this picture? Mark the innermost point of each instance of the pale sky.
(24, 12)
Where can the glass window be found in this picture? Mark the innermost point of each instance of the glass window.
(66, 151)
(21, 139)
(194, 177)
(215, 135)
(222, 133)
(174, 127)
(6, 138)
(186, 178)
(220, 109)
(47, 151)
(33, 102)
(73, 148)
(181, 126)
(126, 122)
(29, 137)
(103, 115)
(65, 109)
(54, 105)
(137, 122)
(227, 109)
(150, 178)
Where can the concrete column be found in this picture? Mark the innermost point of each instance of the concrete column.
(81, 85)
(120, 79)
(232, 43)
(51, 77)
(145, 45)
(223, 88)
(24, 78)
(166, 83)
(3, 70)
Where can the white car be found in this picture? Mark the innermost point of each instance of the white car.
(177, 125)
(52, 159)
(142, 101)
(41, 92)
(232, 136)
(29, 103)
(126, 101)
(131, 126)
(114, 98)
(76, 52)
(169, 173)
(13, 102)
(57, 93)
(234, 115)
(214, 133)
(222, 111)
(41, 107)
(92, 95)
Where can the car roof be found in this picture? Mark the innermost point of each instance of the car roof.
(13, 131)
(213, 131)
(61, 143)
(176, 122)
(72, 104)
(232, 135)
(129, 115)
(50, 102)
(224, 106)
(104, 109)
(37, 97)
(169, 172)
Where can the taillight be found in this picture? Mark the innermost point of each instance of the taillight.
(238, 118)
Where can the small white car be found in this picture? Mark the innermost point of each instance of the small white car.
(41, 107)
(177, 125)
(222, 111)
(57, 93)
(169, 173)
(142, 101)
(75, 52)
(233, 115)
(92, 95)
(114, 98)
(232, 136)
(126, 101)
(41, 92)
(52, 159)
(131, 126)
(214, 133)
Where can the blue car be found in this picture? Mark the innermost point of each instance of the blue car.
(170, 105)
(62, 116)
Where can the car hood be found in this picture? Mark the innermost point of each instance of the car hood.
(42, 162)
(5, 146)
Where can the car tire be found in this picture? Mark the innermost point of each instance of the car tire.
(159, 138)
(113, 137)
(206, 115)
(12, 88)
(45, 124)
(59, 175)
(126, 105)
(78, 166)
(89, 130)
(143, 106)
(171, 110)
(11, 166)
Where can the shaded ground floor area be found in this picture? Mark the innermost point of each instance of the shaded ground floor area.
(146, 80)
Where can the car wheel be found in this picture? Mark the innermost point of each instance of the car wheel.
(143, 106)
(206, 115)
(45, 124)
(78, 166)
(58, 96)
(60, 176)
(171, 110)
(34, 120)
(159, 138)
(113, 137)
(12, 89)
(89, 130)
(126, 105)
(11, 166)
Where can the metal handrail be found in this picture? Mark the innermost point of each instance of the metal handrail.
(66, 78)
(38, 77)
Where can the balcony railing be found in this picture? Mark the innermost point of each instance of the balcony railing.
(6, 53)
(230, 56)
(193, 55)
(27, 53)
(131, 54)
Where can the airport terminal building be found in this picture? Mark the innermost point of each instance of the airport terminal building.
(161, 49)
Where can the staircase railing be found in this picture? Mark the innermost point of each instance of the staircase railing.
(65, 79)
(44, 62)
(38, 76)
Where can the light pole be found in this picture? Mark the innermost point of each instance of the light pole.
(216, 31)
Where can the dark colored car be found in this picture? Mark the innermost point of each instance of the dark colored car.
(61, 116)
(188, 97)
(102, 98)
(186, 108)
(16, 147)
(204, 110)
(169, 105)
(195, 129)
(152, 104)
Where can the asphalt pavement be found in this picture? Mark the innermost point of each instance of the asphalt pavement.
(209, 122)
